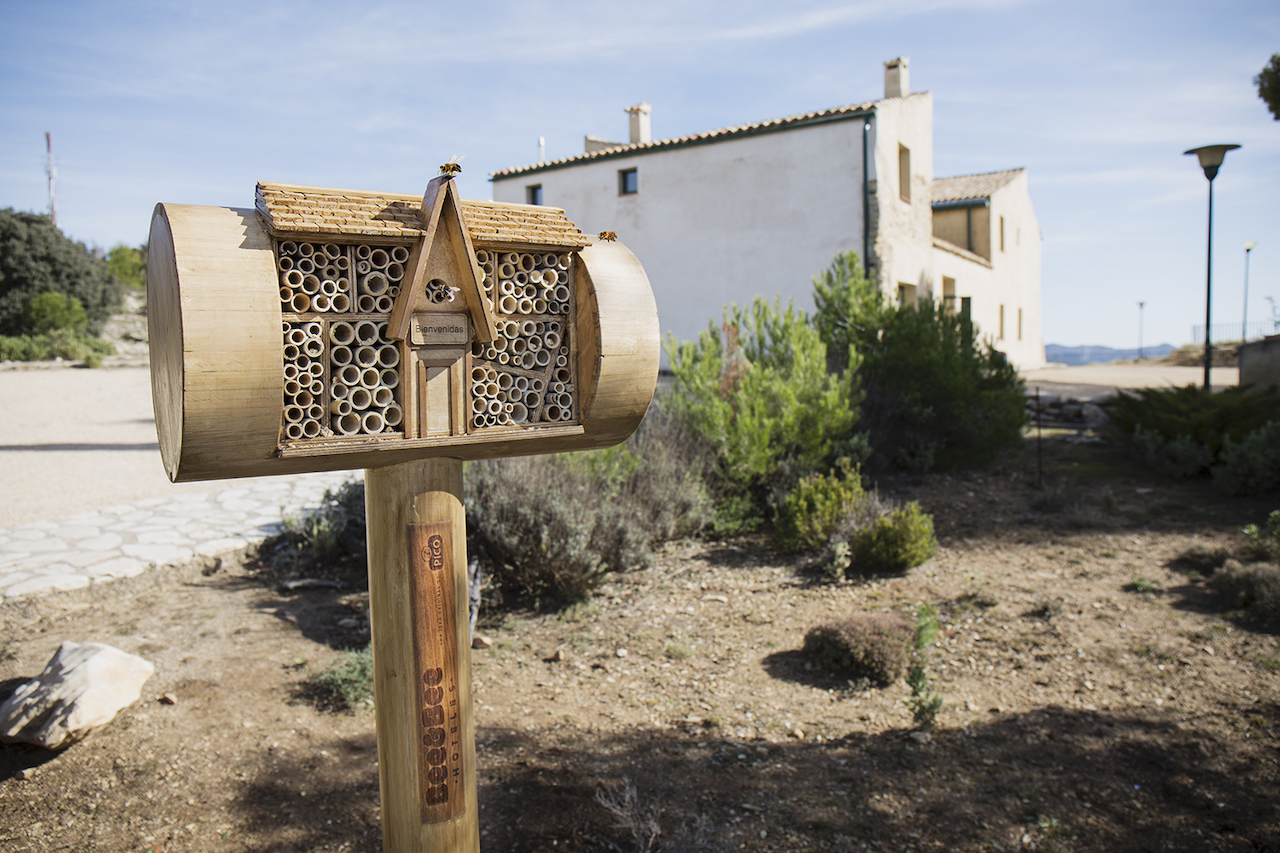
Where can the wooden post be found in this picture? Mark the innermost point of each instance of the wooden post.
(422, 657)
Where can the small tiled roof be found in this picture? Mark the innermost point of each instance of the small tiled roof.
(770, 126)
(292, 209)
(963, 187)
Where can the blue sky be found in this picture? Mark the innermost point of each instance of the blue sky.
(195, 102)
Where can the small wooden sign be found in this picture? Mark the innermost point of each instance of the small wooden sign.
(440, 329)
(441, 787)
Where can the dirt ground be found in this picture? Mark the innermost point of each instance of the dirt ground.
(1081, 713)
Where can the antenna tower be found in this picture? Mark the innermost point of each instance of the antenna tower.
(52, 171)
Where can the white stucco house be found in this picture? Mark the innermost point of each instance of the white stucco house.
(759, 209)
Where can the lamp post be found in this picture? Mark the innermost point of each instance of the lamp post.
(1211, 157)
(1140, 306)
(1244, 324)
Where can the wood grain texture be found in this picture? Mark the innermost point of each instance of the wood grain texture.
(420, 492)
(216, 350)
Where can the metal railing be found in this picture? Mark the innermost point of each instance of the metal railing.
(1236, 331)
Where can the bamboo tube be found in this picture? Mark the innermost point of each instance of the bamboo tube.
(295, 335)
(366, 332)
(310, 284)
(482, 257)
(366, 356)
(348, 424)
(562, 293)
(328, 286)
(285, 295)
(363, 252)
(519, 414)
(332, 250)
(293, 431)
(553, 413)
(504, 358)
(525, 306)
(338, 391)
(500, 344)
(526, 262)
(293, 414)
(521, 278)
(305, 249)
(379, 258)
(507, 305)
(302, 397)
(375, 284)
(293, 278)
(399, 254)
(562, 372)
(371, 422)
(291, 387)
(305, 266)
(389, 378)
(504, 381)
(540, 306)
(312, 329)
(506, 270)
(316, 369)
(313, 347)
(507, 287)
(382, 397)
(291, 352)
(369, 377)
(365, 304)
(528, 360)
(317, 388)
(392, 415)
(320, 303)
(341, 332)
(340, 303)
(478, 404)
(551, 339)
(340, 355)
(360, 398)
(389, 355)
(289, 247)
(533, 343)
(329, 272)
(315, 412)
(491, 389)
(300, 302)
(518, 346)
(343, 263)
(395, 271)
(363, 267)
(350, 375)
(384, 333)
(542, 358)
(340, 407)
(290, 371)
(385, 304)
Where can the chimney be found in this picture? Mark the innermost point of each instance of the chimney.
(640, 123)
(896, 81)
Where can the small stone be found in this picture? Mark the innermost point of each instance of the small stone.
(348, 623)
(622, 653)
(27, 773)
(83, 686)
(920, 737)
(559, 655)
(797, 733)
(168, 699)
(479, 641)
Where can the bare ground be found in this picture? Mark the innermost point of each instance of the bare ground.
(1080, 714)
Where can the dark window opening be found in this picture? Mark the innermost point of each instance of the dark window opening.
(533, 194)
(628, 182)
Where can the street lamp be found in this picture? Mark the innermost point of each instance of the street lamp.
(1244, 325)
(1211, 157)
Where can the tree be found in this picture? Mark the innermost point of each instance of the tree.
(51, 311)
(129, 265)
(36, 258)
(1268, 83)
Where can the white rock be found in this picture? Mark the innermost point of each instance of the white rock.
(83, 687)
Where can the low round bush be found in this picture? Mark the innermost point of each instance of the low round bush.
(877, 538)
(815, 508)
(1254, 587)
(874, 646)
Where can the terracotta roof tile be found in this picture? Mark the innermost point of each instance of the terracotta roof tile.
(317, 210)
(962, 187)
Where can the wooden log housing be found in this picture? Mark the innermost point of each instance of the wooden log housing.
(274, 344)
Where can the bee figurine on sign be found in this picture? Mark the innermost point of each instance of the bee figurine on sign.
(453, 167)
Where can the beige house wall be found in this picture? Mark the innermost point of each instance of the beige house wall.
(901, 248)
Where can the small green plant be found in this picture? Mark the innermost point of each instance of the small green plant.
(348, 683)
(50, 311)
(926, 626)
(679, 651)
(1141, 585)
(815, 508)
(894, 541)
(1053, 497)
(65, 344)
(1252, 465)
(1254, 588)
(1264, 541)
(874, 646)
(924, 704)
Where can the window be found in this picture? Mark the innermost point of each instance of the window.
(949, 295)
(628, 182)
(533, 194)
(1002, 233)
(1001, 336)
(904, 173)
(1019, 324)
(906, 294)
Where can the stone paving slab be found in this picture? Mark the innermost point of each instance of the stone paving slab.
(124, 541)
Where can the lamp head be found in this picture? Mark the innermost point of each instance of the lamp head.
(1249, 244)
(1211, 157)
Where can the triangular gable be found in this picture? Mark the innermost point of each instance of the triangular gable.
(442, 211)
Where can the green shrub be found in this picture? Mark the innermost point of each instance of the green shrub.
(128, 265)
(36, 258)
(815, 508)
(1183, 431)
(935, 396)
(1265, 541)
(926, 626)
(61, 343)
(348, 683)
(50, 311)
(874, 646)
(1201, 559)
(1252, 465)
(1053, 497)
(893, 541)
(757, 390)
(924, 703)
(1254, 588)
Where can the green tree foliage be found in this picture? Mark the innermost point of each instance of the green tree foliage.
(36, 258)
(758, 390)
(50, 311)
(1268, 83)
(129, 265)
(935, 395)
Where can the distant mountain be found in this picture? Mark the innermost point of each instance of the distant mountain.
(1058, 354)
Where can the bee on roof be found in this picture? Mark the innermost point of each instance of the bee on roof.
(453, 167)
(610, 236)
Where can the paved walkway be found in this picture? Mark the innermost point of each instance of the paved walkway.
(127, 540)
(74, 441)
